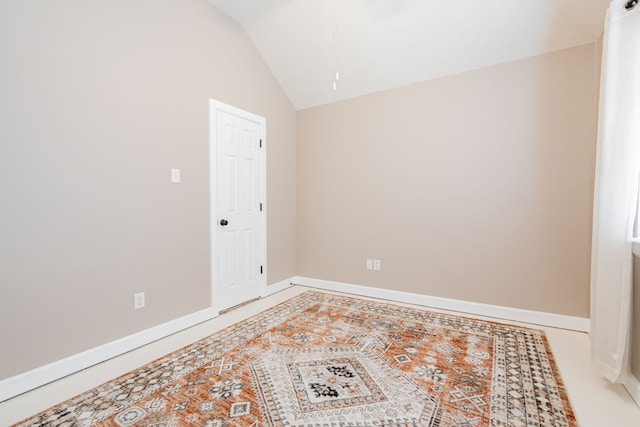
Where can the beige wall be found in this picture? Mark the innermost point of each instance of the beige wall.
(99, 100)
(476, 186)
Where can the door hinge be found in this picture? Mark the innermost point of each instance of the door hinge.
(261, 270)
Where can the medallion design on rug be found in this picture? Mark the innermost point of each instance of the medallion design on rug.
(338, 383)
(326, 360)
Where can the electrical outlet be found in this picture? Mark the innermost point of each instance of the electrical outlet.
(138, 300)
(377, 264)
(369, 264)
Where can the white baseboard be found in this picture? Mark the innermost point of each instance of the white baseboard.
(277, 287)
(21, 383)
(633, 387)
(580, 324)
(16, 385)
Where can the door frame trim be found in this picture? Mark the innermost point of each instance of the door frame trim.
(214, 107)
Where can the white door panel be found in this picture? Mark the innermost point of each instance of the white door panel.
(238, 238)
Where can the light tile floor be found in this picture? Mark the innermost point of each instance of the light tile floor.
(595, 402)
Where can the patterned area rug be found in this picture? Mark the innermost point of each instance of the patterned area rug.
(323, 360)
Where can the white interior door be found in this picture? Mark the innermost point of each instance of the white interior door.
(238, 208)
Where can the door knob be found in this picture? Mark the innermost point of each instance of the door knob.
(223, 222)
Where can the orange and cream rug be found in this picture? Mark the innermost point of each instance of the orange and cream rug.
(321, 360)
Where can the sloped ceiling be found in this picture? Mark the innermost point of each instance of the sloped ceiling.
(381, 44)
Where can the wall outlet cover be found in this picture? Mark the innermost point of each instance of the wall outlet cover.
(138, 300)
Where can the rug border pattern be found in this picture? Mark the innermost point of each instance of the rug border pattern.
(524, 342)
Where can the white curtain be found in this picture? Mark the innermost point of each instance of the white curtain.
(616, 191)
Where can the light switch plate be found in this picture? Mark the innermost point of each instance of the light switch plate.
(175, 176)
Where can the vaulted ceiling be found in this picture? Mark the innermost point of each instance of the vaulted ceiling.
(375, 45)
